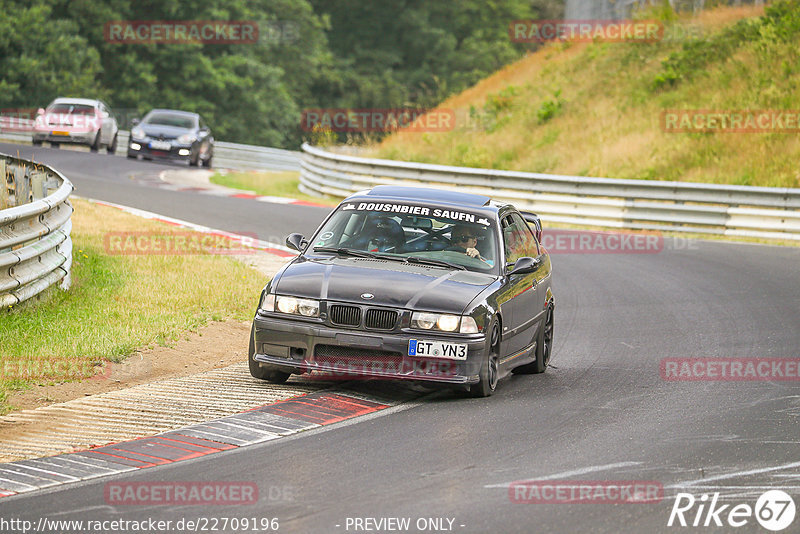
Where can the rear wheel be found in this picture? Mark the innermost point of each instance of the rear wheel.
(207, 163)
(275, 377)
(55, 145)
(489, 367)
(96, 145)
(37, 142)
(112, 148)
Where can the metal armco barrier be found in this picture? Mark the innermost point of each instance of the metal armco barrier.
(763, 212)
(35, 246)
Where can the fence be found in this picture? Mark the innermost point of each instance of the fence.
(35, 224)
(763, 212)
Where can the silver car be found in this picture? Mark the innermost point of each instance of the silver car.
(78, 121)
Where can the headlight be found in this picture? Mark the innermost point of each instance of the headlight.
(292, 305)
(137, 133)
(447, 323)
(444, 322)
(426, 321)
(186, 139)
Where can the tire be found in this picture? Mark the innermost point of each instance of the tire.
(34, 142)
(55, 145)
(194, 161)
(544, 347)
(275, 377)
(112, 148)
(489, 367)
(95, 147)
(207, 163)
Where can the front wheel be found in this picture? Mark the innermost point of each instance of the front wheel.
(490, 365)
(544, 346)
(275, 377)
(37, 142)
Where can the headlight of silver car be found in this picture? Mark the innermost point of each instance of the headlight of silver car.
(186, 139)
(137, 133)
(444, 322)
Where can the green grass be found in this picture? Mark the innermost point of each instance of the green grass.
(276, 184)
(595, 108)
(117, 304)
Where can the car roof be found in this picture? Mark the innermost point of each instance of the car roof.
(426, 194)
(83, 101)
(175, 111)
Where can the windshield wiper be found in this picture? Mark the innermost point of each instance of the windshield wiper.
(346, 252)
(439, 263)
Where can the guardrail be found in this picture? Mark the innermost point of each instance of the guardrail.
(35, 225)
(226, 155)
(763, 212)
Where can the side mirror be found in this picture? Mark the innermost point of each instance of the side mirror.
(525, 265)
(532, 218)
(40, 111)
(296, 241)
(134, 121)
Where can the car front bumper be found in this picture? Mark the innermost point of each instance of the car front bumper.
(298, 347)
(176, 151)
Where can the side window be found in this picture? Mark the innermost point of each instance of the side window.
(518, 239)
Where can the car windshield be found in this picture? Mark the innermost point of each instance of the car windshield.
(170, 119)
(434, 235)
(71, 109)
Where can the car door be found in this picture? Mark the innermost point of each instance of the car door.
(525, 305)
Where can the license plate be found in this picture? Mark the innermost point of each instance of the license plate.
(60, 133)
(160, 145)
(437, 349)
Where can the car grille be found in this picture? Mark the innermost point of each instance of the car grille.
(380, 319)
(345, 315)
(379, 360)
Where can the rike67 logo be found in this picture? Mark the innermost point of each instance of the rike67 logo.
(774, 510)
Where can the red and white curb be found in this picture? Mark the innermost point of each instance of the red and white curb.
(245, 241)
(265, 423)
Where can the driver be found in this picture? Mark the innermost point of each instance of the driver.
(464, 239)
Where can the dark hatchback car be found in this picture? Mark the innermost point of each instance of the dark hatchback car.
(410, 283)
(172, 134)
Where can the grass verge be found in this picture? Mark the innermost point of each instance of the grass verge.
(117, 303)
(270, 183)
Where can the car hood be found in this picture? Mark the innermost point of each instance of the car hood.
(162, 130)
(392, 284)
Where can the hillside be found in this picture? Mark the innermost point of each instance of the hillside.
(595, 109)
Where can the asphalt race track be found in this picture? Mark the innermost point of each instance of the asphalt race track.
(603, 412)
